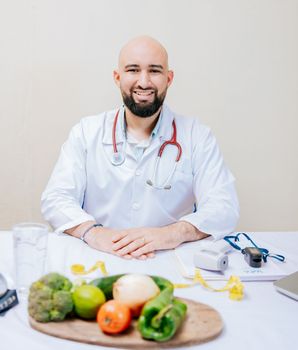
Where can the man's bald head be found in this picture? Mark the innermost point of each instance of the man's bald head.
(140, 47)
(143, 76)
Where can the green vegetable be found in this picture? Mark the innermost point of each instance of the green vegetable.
(161, 317)
(162, 283)
(50, 298)
(106, 284)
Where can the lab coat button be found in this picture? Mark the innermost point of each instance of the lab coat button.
(135, 206)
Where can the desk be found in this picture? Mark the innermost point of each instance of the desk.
(264, 319)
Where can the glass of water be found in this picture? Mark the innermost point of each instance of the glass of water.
(30, 250)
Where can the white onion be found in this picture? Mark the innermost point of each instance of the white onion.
(134, 290)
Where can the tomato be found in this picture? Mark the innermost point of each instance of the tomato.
(113, 317)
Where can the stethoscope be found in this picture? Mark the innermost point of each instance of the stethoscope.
(118, 158)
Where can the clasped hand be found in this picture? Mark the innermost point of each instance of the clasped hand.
(140, 243)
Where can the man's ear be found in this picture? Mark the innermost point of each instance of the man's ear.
(116, 76)
(170, 77)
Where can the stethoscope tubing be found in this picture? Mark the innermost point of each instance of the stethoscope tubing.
(114, 132)
(118, 158)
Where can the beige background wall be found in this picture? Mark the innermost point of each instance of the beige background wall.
(236, 69)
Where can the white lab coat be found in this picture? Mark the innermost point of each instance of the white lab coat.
(86, 186)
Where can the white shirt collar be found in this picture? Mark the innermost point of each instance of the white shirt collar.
(162, 129)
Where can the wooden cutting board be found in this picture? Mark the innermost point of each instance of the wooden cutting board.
(201, 324)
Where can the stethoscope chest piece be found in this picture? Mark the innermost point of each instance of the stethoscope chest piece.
(117, 158)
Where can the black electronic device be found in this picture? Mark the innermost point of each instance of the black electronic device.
(8, 300)
(8, 297)
(253, 256)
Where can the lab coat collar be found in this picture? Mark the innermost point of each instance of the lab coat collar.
(165, 128)
(108, 129)
(163, 131)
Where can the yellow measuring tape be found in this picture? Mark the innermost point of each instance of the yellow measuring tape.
(234, 285)
(78, 269)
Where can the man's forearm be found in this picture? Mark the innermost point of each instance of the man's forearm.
(186, 232)
(78, 230)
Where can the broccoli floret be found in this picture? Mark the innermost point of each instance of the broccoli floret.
(50, 298)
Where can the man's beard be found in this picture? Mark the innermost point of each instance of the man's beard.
(144, 110)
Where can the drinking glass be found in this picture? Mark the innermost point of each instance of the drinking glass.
(30, 250)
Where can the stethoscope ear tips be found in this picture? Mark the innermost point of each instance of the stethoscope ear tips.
(149, 182)
(166, 187)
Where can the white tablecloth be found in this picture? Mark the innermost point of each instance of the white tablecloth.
(263, 319)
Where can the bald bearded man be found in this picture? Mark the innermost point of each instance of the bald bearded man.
(121, 188)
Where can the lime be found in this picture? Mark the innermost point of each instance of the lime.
(87, 299)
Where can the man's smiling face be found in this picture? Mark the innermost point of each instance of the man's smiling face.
(143, 76)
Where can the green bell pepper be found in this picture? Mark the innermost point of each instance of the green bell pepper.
(161, 317)
(162, 283)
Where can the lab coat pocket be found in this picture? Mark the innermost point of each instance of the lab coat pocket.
(174, 196)
(184, 166)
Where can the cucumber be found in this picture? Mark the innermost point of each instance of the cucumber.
(106, 284)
